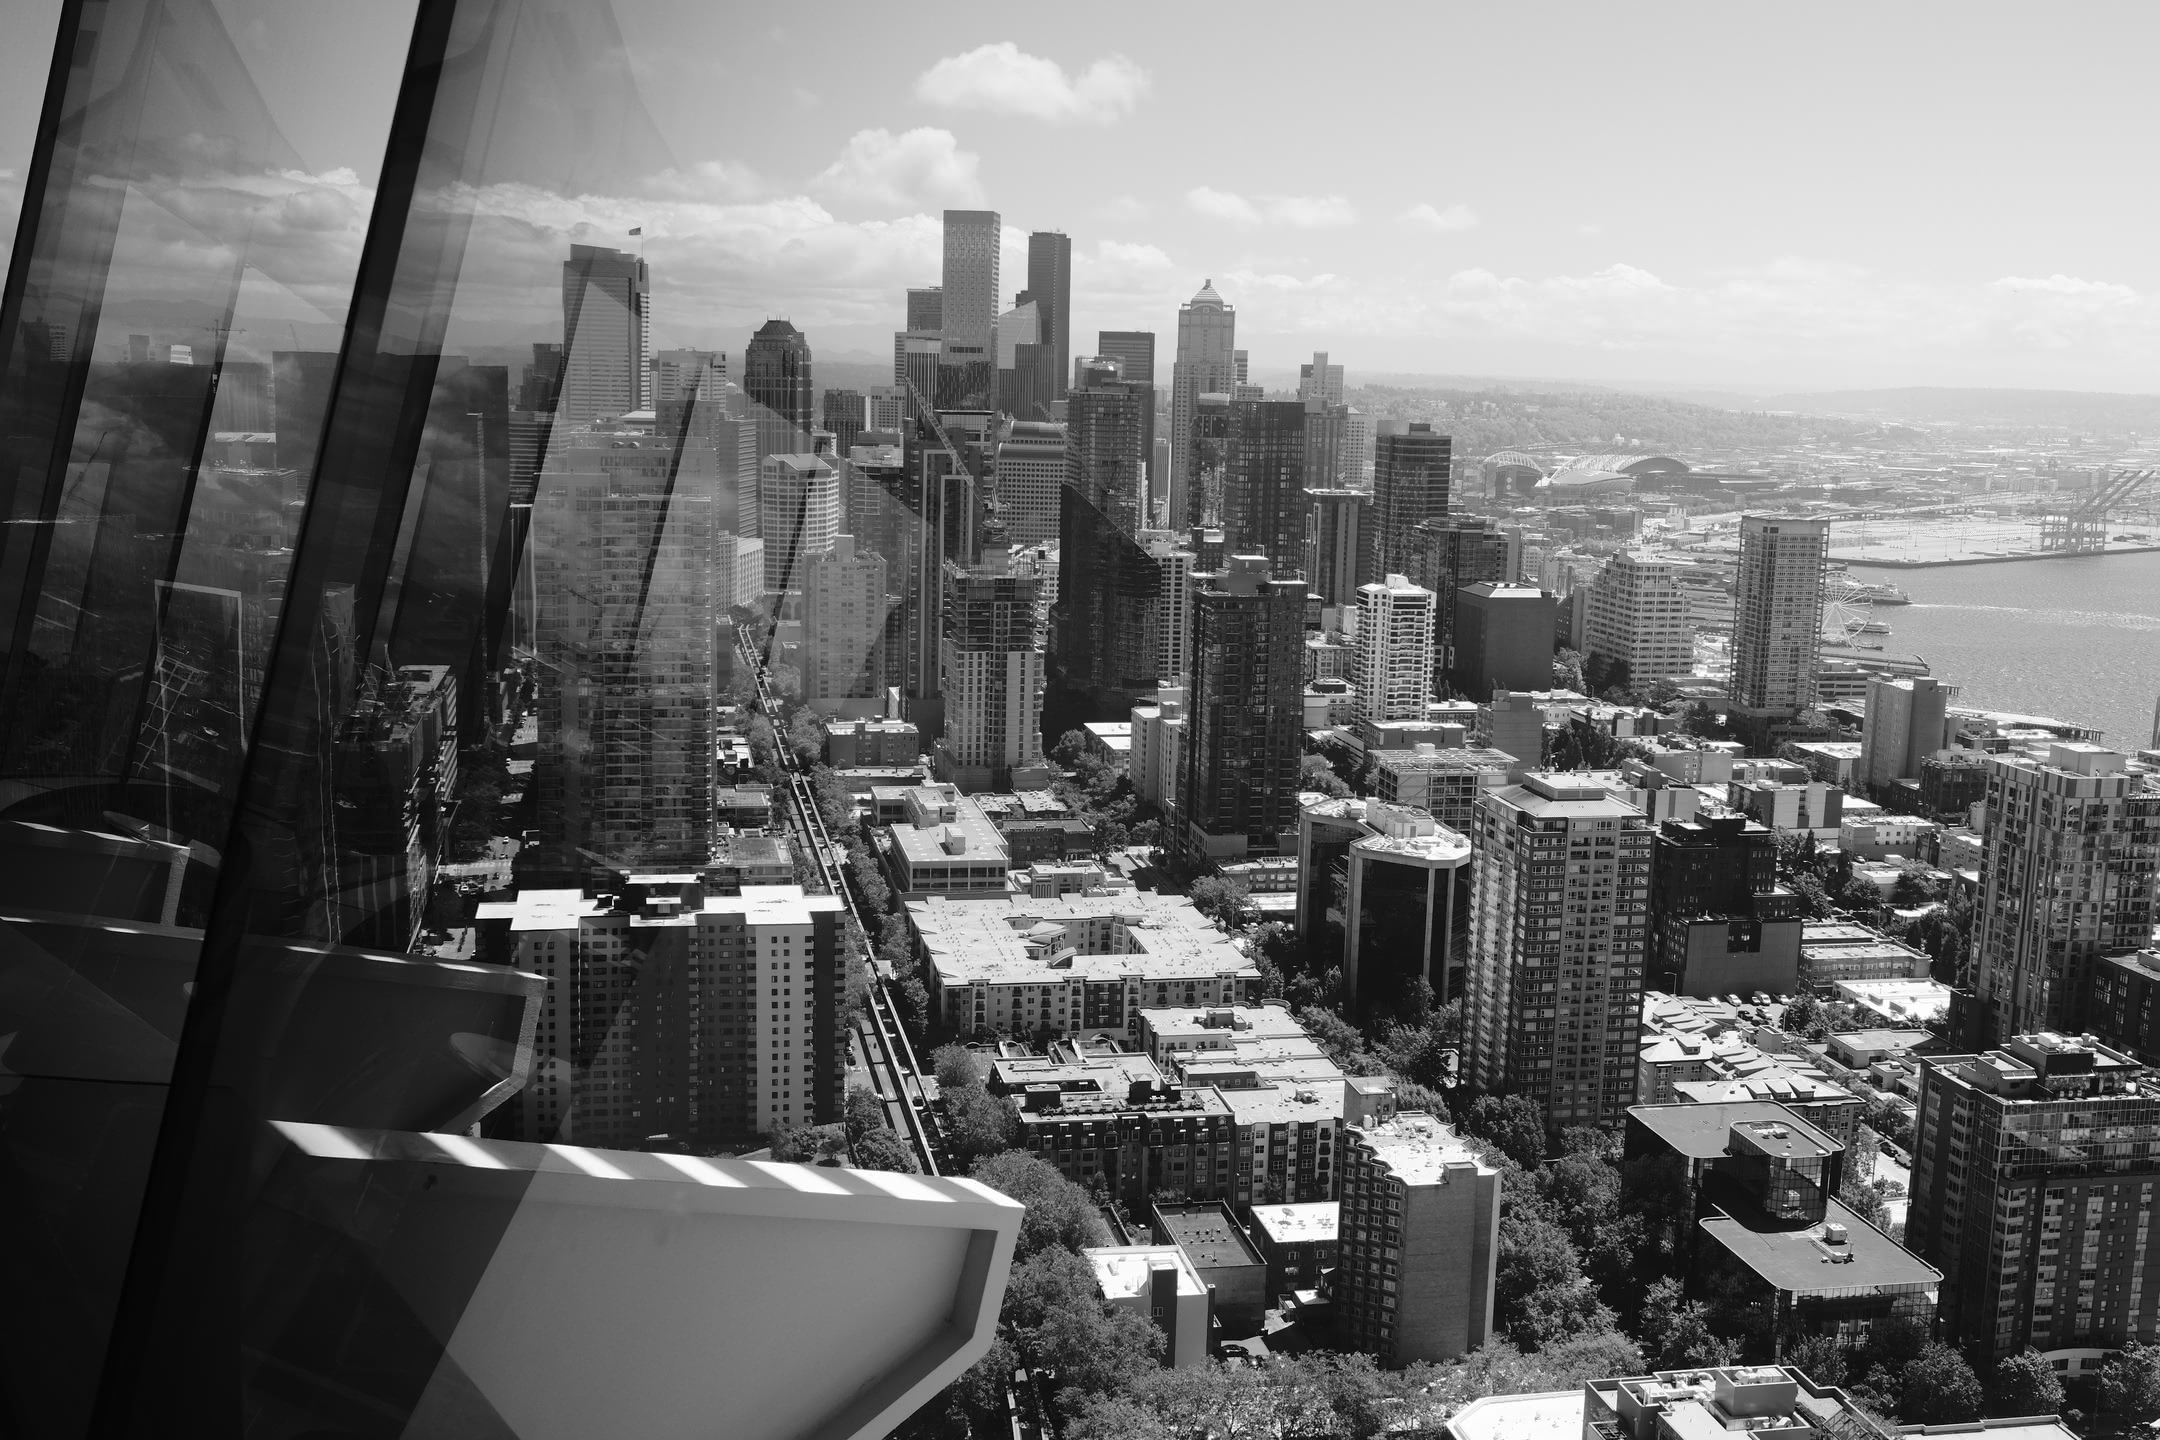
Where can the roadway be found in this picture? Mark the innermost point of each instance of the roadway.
(879, 1044)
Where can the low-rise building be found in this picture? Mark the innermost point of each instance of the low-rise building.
(1882, 834)
(1234, 1272)
(1835, 951)
(1830, 761)
(1730, 1400)
(1110, 741)
(1709, 1051)
(943, 844)
(852, 744)
(2123, 1009)
(1443, 782)
(1159, 1283)
(1901, 1002)
(745, 860)
(1073, 963)
(1418, 1241)
(745, 806)
(1297, 1242)
(1167, 1140)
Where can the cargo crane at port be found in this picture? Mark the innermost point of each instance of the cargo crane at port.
(2082, 528)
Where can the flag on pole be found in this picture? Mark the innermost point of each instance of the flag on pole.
(640, 230)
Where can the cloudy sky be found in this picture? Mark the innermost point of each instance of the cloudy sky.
(1741, 196)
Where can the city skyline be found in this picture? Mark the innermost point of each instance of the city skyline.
(1534, 249)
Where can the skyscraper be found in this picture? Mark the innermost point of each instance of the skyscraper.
(1906, 721)
(1557, 936)
(1029, 468)
(1777, 614)
(1105, 641)
(1410, 487)
(991, 674)
(682, 376)
(1025, 384)
(1263, 505)
(843, 615)
(798, 516)
(926, 308)
(845, 414)
(2033, 1185)
(604, 294)
(1239, 788)
(1205, 365)
(1394, 650)
(1637, 617)
(1338, 558)
(1134, 350)
(776, 377)
(1420, 1240)
(967, 362)
(1050, 287)
(2066, 876)
(1320, 382)
(1446, 554)
(1719, 923)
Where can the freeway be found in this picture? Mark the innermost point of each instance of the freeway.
(879, 1041)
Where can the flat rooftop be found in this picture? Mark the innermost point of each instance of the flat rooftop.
(1295, 1102)
(1547, 1415)
(1802, 1263)
(1000, 939)
(1177, 1027)
(1417, 1149)
(1125, 1271)
(1302, 1224)
(1207, 1234)
(1704, 1132)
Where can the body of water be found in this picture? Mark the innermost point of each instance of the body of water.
(2076, 639)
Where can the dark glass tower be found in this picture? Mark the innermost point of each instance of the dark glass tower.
(1410, 487)
(1238, 793)
(776, 377)
(1050, 286)
(1104, 644)
(1263, 505)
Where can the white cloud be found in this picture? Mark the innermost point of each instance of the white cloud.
(1123, 210)
(1137, 257)
(1222, 205)
(923, 167)
(1455, 217)
(1304, 212)
(1006, 80)
(719, 180)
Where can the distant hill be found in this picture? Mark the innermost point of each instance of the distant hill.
(1924, 405)
(1483, 420)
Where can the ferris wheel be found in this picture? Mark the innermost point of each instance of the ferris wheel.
(1848, 608)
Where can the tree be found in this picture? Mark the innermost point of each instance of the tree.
(806, 737)
(1512, 1122)
(1540, 1295)
(1567, 670)
(955, 1066)
(2025, 1383)
(1058, 1212)
(1097, 1350)
(883, 1150)
(1069, 748)
(1339, 1038)
(1814, 897)
(861, 1112)
(1676, 1332)
(978, 1123)
(1860, 895)
(1819, 1357)
(1938, 1388)
(2130, 1386)
(1227, 902)
(1315, 773)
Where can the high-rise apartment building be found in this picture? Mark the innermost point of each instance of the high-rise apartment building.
(1417, 1241)
(1719, 923)
(1205, 365)
(1029, 468)
(2066, 876)
(1245, 703)
(1263, 504)
(1777, 614)
(843, 617)
(2034, 1177)
(1338, 553)
(604, 298)
(1320, 381)
(926, 308)
(1394, 650)
(1906, 721)
(967, 359)
(1050, 288)
(1410, 488)
(1447, 554)
(776, 378)
(1637, 617)
(991, 673)
(1174, 565)
(1134, 351)
(623, 566)
(1504, 640)
(1357, 447)
(1558, 931)
(657, 993)
(798, 516)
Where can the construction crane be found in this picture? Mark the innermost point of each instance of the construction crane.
(2081, 529)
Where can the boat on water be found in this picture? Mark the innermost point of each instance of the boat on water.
(1882, 593)
(1871, 627)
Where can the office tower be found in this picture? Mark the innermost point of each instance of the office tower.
(846, 415)
(300, 382)
(1447, 554)
(1174, 567)
(1553, 998)
(1159, 489)
(604, 299)
(738, 570)
(843, 615)
(1207, 329)
(1356, 462)
(1394, 650)
(1504, 640)
(967, 361)
(1323, 445)
(1134, 350)
(1238, 793)
(1777, 614)
(991, 674)
(681, 378)
(915, 367)
(623, 570)
(885, 409)
(776, 378)
(1105, 641)
(1418, 1242)
(1025, 386)
(1050, 287)
(1320, 382)
(1338, 558)
(1635, 616)
(1239, 365)
(542, 381)
(1906, 721)
(1263, 488)
(2034, 1172)
(798, 515)
(1410, 487)
(926, 309)
(242, 400)
(1096, 370)
(632, 1055)
(2066, 876)
(1719, 924)
(1029, 468)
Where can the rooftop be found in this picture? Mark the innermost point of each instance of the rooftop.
(1813, 1260)
(1218, 1026)
(1001, 940)
(1289, 1103)
(1125, 1271)
(1704, 1132)
(1297, 1224)
(1419, 1150)
(1546, 1415)
(1206, 1233)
